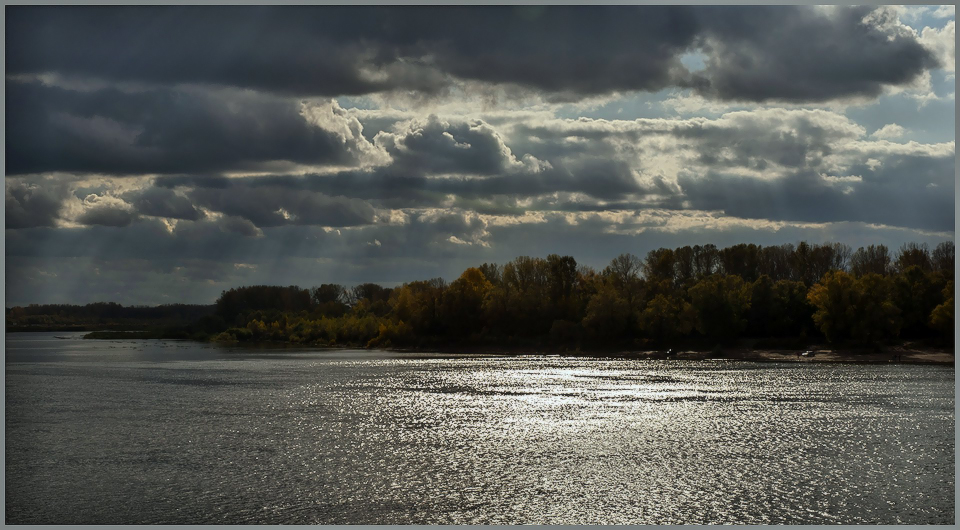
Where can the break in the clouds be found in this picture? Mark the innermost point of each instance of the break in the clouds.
(162, 154)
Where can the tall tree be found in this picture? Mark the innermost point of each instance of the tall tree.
(915, 294)
(941, 318)
(721, 304)
(607, 315)
(666, 317)
(874, 259)
(706, 259)
(463, 303)
(658, 265)
(741, 260)
(913, 255)
(942, 258)
(855, 308)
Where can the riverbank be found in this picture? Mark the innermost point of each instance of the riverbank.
(906, 353)
(898, 354)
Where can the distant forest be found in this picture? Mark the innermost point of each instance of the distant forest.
(701, 296)
(102, 315)
(789, 295)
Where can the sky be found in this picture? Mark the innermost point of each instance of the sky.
(164, 154)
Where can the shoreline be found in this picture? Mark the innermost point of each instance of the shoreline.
(905, 353)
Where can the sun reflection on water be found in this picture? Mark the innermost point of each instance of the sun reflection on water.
(401, 439)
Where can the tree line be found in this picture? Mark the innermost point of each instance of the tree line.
(102, 315)
(700, 295)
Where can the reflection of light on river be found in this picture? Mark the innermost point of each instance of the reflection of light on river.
(366, 437)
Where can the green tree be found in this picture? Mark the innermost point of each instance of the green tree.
(721, 303)
(623, 274)
(774, 261)
(852, 308)
(791, 313)
(683, 266)
(874, 259)
(561, 285)
(915, 294)
(878, 318)
(762, 303)
(659, 265)
(941, 318)
(942, 258)
(741, 260)
(913, 255)
(666, 317)
(706, 259)
(607, 315)
(463, 302)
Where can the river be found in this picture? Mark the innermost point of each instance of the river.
(130, 432)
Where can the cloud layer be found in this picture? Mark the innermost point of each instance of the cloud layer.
(161, 154)
(750, 52)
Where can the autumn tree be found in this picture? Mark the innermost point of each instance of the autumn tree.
(941, 318)
(942, 258)
(791, 313)
(874, 259)
(913, 255)
(623, 274)
(329, 299)
(741, 260)
(762, 300)
(419, 304)
(525, 285)
(240, 301)
(915, 294)
(834, 300)
(683, 266)
(463, 302)
(878, 318)
(706, 259)
(607, 315)
(666, 317)
(774, 261)
(720, 303)
(855, 308)
(561, 285)
(658, 265)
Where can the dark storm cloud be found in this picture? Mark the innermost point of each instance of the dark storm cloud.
(432, 161)
(435, 146)
(267, 206)
(753, 139)
(107, 215)
(794, 139)
(308, 197)
(808, 196)
(798, 54)
(424, 235)
(33, 205)
(162, 202)
(753, 53)
(166, 130)
(238, 225)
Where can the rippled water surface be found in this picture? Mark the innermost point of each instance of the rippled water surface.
(174, 432)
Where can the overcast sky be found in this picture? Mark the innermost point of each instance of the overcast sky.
(160, 155)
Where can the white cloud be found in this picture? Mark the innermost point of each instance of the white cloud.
(942, 42)
(945, 11)
(889, 131)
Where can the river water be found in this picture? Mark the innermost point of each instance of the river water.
(126, 432)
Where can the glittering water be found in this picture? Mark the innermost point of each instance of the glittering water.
(169, 432)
